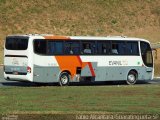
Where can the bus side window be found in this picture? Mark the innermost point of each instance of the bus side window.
(87, 48)
(51, 48)
(132, 48)
(68, 48)
(40, 46)
(107, 48)
(121, 48)
(99, 47)
(76, 47)
(72, 47)
(59, 48)
(103, 47)
(114, 48)
(118, 48)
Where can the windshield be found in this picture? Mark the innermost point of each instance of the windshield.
(146, 53)
(16, 43)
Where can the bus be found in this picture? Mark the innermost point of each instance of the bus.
(49, 58)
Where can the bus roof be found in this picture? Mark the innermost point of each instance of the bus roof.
(51, 36)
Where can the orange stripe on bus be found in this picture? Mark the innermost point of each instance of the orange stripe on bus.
(57, 37)
(70, 63)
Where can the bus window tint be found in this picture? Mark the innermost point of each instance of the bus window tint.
(125, 48)
(146, 53)
(16, 43)
(121, 48)
(55, 48)
(88, 47)
(132, 48)
(50, 48)
(58, 47)
(118, 48)
(72, 47)
(40, 46)
(68, 48)
(103, 48)
(76, 48)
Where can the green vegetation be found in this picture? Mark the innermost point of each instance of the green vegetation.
(84, 99)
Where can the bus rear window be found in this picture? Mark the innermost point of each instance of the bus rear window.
(16, 43)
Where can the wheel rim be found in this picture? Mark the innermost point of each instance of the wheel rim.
(131, 78)
(64, 79)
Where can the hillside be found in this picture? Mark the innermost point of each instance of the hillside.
(138, 18)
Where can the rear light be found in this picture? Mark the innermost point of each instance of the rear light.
(29, 69)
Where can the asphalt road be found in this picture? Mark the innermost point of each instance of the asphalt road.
(4, 83)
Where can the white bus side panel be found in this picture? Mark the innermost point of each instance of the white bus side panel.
(46, 69)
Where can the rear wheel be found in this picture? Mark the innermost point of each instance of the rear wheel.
(131, 78)
(64, 79)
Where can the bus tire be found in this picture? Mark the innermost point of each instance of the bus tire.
(131, 78)
(64, 79)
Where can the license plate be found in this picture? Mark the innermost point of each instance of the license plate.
(15, 73)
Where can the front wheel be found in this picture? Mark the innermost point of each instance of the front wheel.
(64, 79)
(131, 78)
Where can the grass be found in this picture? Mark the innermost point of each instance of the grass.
(80, 99)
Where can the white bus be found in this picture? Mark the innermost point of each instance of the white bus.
(65, 59)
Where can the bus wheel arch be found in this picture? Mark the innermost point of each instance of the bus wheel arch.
(132, 77)
(64, 78)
